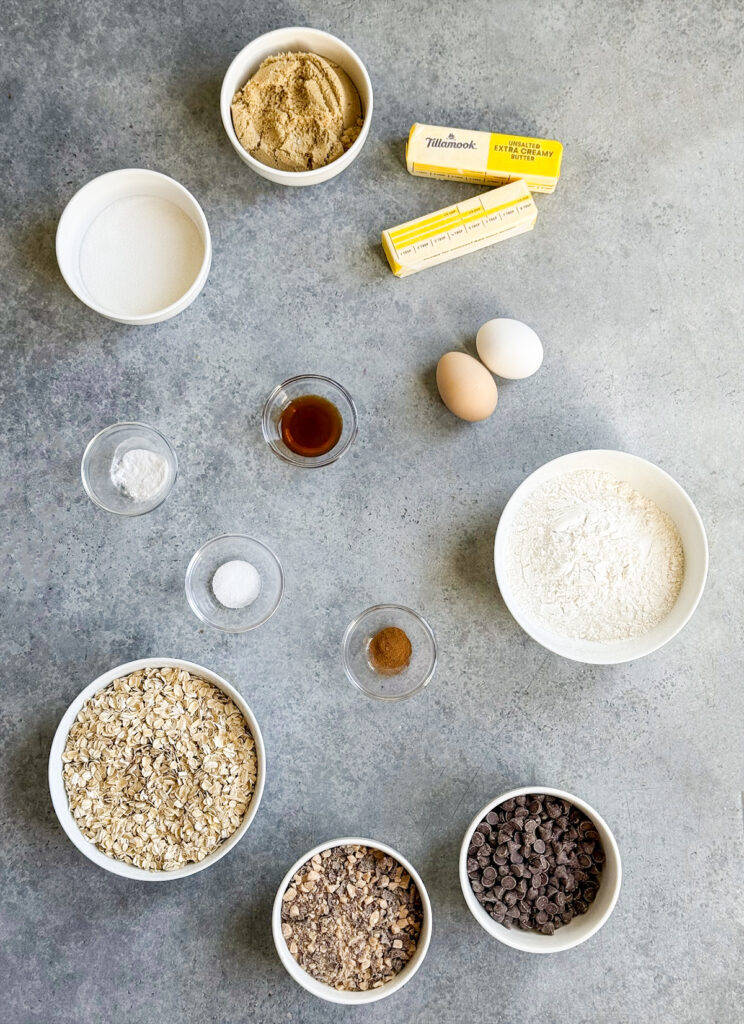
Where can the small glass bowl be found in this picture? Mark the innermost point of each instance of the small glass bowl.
(414, 677)
(111, 443)
(288, 391)
(205, 564)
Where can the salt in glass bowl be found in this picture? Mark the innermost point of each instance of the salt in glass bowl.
(205, 564)
(410, 680)
(113, 442)
(295, 387)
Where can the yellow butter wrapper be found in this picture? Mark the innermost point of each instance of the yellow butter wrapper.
(459, 229)
(458, 154)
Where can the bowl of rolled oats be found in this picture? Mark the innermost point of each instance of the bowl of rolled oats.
(157, 769)
(352, 921)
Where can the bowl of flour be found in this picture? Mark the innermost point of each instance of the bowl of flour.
(601, 557)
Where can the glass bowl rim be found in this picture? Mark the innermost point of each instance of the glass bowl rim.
(427, 629)
(87, 486)
(300, 461)
(190, 572)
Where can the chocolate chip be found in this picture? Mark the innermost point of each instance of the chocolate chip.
(535, 861)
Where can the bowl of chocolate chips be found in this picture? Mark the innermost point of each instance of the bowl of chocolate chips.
(540, 870)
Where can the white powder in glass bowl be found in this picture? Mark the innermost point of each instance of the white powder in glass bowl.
(140, 473)
(236, 584)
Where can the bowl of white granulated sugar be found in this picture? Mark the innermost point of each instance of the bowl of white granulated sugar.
(601, 557)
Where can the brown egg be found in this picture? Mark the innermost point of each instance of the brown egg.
(466, 387)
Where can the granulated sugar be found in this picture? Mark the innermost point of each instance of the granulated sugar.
(140, 255)
(594, 559)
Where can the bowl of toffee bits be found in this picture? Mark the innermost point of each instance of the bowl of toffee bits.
(540, 870)
(352, 921)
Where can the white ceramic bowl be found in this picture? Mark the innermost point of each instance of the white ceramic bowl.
(655, 484)
(93, 199)
(59, 793)
(283, 40)
(584, 925)
(317, 988)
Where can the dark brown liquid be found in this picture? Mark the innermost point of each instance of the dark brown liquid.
(311, 426)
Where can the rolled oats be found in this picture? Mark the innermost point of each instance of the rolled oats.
(159, 768)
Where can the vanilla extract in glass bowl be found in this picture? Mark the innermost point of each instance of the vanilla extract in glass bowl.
(311, 426)
(309, 421)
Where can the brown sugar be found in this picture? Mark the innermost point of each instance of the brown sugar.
(298, 112)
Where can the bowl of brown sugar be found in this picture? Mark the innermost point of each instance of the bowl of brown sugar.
(352, 921)
(296, 104)
(389, 652)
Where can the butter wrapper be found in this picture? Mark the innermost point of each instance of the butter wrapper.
(459, 229)
(457, 154)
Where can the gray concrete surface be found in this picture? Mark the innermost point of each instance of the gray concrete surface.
(633, 278)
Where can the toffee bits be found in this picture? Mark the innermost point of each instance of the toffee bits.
(351, 917)
(535, 862)
(389, 651)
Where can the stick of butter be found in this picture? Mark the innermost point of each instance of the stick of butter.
(483, 157)
(452, 232)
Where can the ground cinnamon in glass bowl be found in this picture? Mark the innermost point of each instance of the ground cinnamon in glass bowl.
(389, 651)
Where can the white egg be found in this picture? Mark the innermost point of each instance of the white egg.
(509, 348)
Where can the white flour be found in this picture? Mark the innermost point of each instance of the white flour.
(140, 255)
(594, 559)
